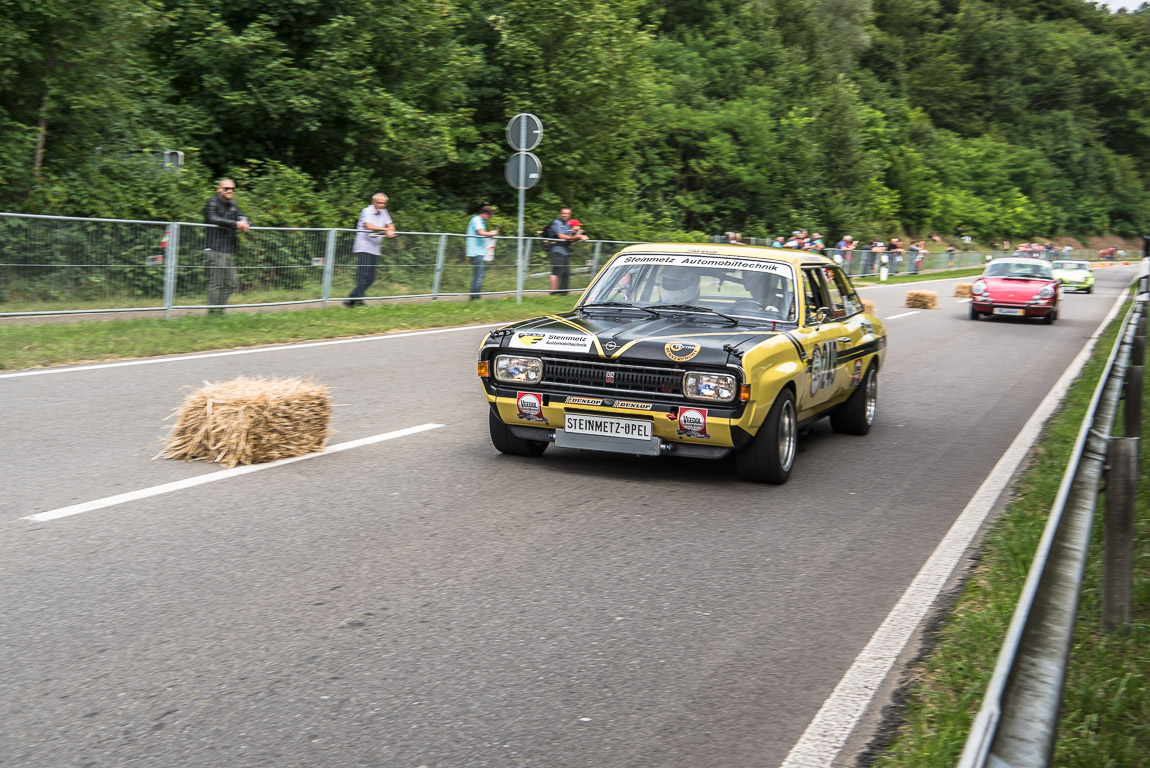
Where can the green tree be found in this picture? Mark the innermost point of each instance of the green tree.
(73, 80)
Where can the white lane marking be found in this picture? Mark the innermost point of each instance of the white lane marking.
(826, 734)
(904, 314)
(191, 482)
(252, 351)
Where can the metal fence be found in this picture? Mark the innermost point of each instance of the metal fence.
(860, 262)
(61, 265)
(1018, 722)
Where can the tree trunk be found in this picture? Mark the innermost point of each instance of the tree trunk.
(42, 128)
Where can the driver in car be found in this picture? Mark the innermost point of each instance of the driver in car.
(679, 285)
(768, 291)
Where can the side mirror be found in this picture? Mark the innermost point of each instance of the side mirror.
(819, 316)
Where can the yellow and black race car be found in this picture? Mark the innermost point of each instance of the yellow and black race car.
(690, 350)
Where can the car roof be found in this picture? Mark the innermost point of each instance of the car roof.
(790, 255)
(1019, 260)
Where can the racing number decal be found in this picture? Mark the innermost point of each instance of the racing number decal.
(830, 363)
(824, 364)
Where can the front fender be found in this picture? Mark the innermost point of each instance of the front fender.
(768, 375)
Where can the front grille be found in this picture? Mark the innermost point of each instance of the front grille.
(613, 377)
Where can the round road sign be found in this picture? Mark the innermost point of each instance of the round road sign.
(529, 164)
(524, 132)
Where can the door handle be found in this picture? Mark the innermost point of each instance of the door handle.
(843, 339)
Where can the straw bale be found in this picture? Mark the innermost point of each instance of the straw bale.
(250, 421)
(962, 290)
(922, 299)
(868, 306)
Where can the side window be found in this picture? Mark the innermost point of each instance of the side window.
(814, 294)
(844, 302)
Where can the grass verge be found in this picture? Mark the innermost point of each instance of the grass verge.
(903, 277)
(32, 346)
(1106, 705)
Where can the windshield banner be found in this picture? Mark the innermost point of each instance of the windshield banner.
(687, 260)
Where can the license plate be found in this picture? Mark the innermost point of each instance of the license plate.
(1008, 311)
(583, 424)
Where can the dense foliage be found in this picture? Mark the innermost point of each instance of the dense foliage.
(1011, 118)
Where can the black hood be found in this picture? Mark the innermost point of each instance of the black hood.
(635, 339)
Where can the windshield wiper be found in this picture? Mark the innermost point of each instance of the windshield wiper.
(617, 305)
(693, 308)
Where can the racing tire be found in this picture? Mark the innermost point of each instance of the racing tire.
(505, 441)
(770, 455)
(856, 415)
(974, 313)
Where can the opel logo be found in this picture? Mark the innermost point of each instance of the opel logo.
(610, 345)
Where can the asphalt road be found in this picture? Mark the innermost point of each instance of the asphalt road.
(426, 601)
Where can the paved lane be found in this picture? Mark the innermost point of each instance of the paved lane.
(427, 601)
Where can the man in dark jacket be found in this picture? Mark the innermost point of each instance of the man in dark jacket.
(219, 242)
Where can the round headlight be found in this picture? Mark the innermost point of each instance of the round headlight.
(518, 369)
(1047, 292)
(978, 288)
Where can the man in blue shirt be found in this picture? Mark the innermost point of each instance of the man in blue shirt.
(563, 235)
(374, 222)
(477, 244)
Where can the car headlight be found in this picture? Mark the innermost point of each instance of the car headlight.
(978, 288)
(722, 387)
(513, 368)
(1047, 292)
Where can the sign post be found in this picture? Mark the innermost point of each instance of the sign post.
(523, 170)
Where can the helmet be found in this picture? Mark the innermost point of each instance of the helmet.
(679, 285)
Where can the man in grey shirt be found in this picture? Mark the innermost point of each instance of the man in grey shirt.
(374, 223)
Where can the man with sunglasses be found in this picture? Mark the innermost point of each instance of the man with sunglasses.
(219, 242)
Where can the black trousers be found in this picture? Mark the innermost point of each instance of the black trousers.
(364, 274)
(561, 268)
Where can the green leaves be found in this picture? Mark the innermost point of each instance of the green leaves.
(1016, 119)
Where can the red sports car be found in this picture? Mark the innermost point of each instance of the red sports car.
(1018, 287)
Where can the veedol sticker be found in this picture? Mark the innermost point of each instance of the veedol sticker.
(530, 406)
(692, 423)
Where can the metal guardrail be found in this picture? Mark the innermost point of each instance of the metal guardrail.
(1018, 722)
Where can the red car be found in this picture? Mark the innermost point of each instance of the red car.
(1018, 287)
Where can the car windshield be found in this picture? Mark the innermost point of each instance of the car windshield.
(749, 289)
(1071, 265)
(1019, 269)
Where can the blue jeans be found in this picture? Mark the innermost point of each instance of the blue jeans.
(478, 268)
